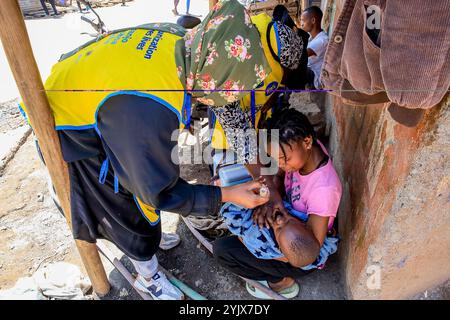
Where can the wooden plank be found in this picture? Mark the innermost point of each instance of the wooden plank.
(30, 5)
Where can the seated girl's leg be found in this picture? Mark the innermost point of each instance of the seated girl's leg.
(231, 253)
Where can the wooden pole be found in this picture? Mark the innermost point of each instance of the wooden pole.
(17, 46)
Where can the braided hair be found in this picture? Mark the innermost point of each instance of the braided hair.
(292, 126)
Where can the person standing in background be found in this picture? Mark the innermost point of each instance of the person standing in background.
(175, 6)
(311, 22)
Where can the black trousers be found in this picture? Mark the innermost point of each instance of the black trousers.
(231, 253)
(99, 213)
(310, 76)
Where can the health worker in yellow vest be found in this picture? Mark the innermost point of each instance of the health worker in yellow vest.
(117, 102)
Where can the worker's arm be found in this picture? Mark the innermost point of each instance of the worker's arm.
(263, 215)
(137, 136)
(141, 139)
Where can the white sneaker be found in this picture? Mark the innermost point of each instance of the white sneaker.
(158, 287)
(169, 241)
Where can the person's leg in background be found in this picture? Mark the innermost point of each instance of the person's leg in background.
(231, 253)
(44, 6)
(175, 7)
(52, 3)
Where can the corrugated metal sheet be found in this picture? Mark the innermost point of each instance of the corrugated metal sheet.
(29, 6)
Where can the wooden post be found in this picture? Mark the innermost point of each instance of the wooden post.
(17, 46)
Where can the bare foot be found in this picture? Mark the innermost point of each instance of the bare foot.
(283, 284)
(175, 12)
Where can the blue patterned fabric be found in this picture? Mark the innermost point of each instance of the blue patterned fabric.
(261, 241)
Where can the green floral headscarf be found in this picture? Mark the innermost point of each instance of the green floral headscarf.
(222, 56)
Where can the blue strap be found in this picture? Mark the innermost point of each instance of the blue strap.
(212, 119)
(104, 171)
(186, 113)
(253, 107)
(116, 184)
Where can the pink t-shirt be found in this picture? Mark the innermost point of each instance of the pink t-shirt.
(316, 193)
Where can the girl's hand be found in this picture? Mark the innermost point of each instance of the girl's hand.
(245, 195)
(263, 215)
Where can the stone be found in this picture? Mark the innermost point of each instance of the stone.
(198, 283)
(40, 197)
(175, 271)
(123, 293)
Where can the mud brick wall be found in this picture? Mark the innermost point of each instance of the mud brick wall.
(395, 213)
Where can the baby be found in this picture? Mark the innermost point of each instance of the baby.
(288, 239)
(298, 245)
(312, 190)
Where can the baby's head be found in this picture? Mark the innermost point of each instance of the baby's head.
(292, 144)
(297, 243)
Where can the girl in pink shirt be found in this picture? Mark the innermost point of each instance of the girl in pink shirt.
(311, 183)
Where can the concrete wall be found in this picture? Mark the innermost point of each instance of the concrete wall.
(395, 212)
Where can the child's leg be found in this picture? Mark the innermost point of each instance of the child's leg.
(234, 256)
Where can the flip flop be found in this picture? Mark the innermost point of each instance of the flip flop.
(288, 293)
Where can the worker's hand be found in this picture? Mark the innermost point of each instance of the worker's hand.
(245, 195)
(263, 215)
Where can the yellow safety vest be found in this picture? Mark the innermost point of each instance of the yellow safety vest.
(135, 61)
(266, 88)
(127, 62)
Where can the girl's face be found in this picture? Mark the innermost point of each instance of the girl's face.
(295, 155)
